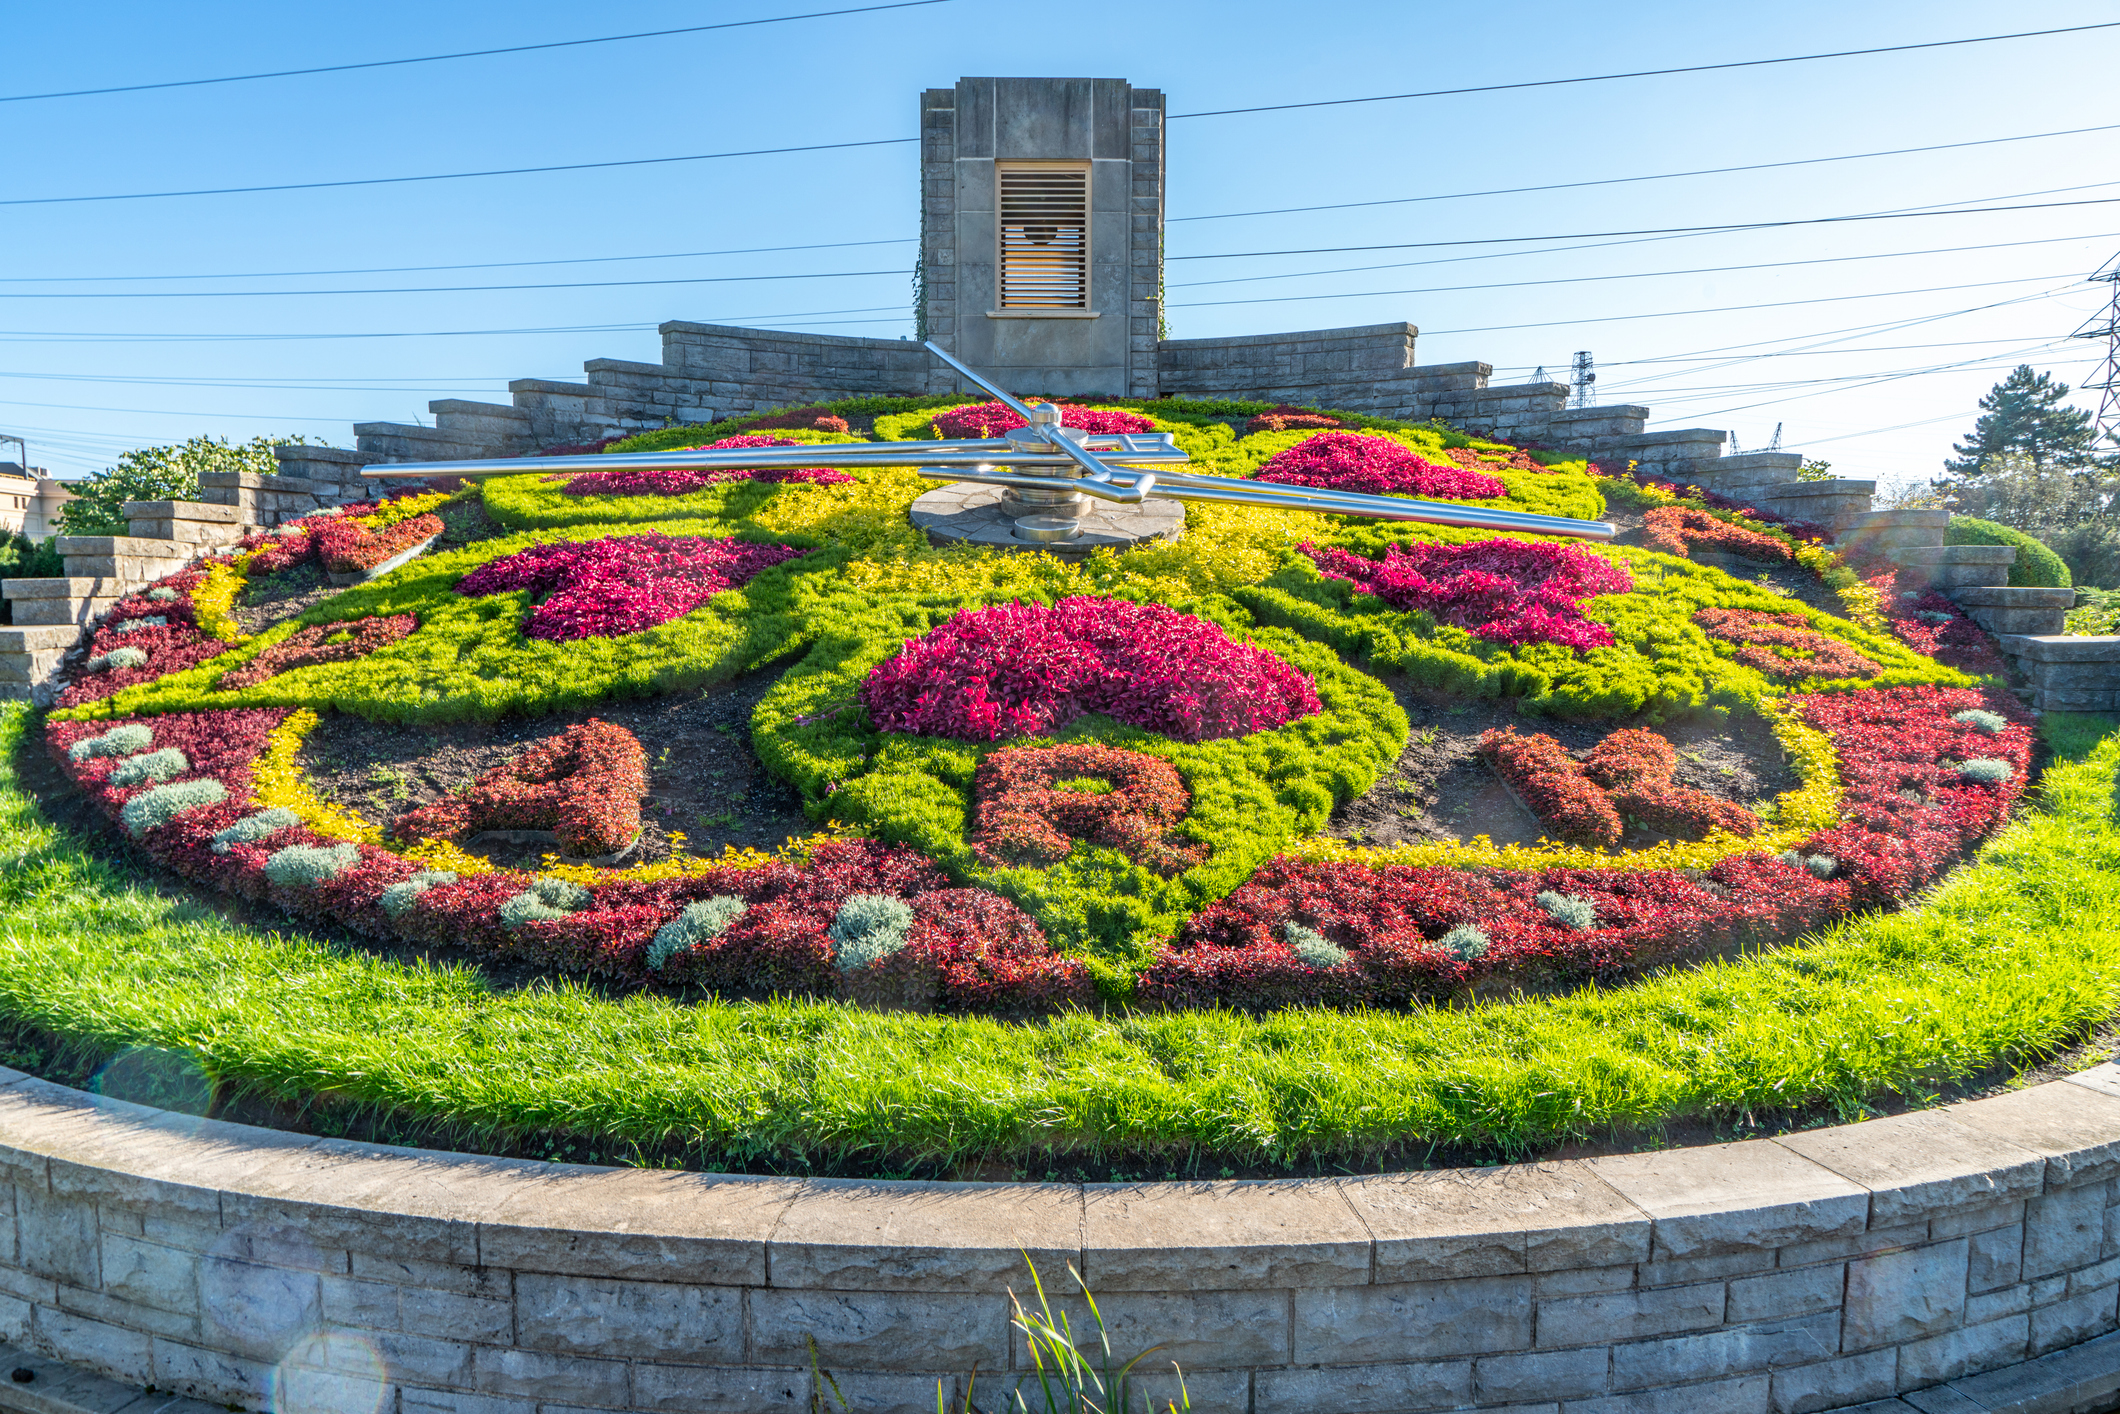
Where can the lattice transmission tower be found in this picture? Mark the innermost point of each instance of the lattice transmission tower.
(1585, 379)
(2106, 325)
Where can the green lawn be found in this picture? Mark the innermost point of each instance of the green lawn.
(2014, 957)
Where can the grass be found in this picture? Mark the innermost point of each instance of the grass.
(2013, 958)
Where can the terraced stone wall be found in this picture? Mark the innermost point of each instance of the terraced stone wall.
(1936, 1251)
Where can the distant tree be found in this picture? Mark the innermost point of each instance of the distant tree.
(2024, 415)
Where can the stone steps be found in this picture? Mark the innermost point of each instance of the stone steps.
(2068, 672)
(2000, 609)
(1957, 566)
(1895, 530)
(29, 660)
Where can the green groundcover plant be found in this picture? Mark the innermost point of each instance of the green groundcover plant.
(1085, 982)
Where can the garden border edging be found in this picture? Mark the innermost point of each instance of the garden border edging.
(1785, 1276)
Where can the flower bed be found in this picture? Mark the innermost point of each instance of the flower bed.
(679, 481)
(1104, 788)
(993, 419)
(1349, 461)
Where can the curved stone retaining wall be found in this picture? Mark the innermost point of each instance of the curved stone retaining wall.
(1808, 1273)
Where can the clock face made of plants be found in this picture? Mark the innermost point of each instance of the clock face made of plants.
(1299, 757)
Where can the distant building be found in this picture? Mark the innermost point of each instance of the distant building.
(30, 500)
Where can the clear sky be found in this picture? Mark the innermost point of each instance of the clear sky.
(95, 359)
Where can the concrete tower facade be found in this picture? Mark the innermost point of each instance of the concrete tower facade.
(1042, 231)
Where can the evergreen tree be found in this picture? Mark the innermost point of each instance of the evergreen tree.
(2024, 414)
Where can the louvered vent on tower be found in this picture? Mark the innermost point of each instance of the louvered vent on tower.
(1045, 236)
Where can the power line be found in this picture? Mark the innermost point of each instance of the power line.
(441, 289)
(1642, 73)
(82, 336)
(1658, 230)
(1656, 177)
(414, 269)
(1637, 275)
(463, 54)
(453, 176)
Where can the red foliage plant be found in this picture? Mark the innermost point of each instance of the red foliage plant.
(621, 585)
(993, 419)
(1290, 419)
(170, 647)
(1349, 461)
(320, 643)
(583, 784)
(346, 545)
(1781, 646)
(1017, 669)
(1635, 767)
(1676, 530)
(680, 481)
(815, 419)
(1505, 591)
(1553, 786)
(1487, 458)
(1033, 803)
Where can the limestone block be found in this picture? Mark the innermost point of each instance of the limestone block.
(549, 1379)
(1803, 1292)
(60, 611)
(2080, 1378)
(1628, 1315)
(166, 1278)
(180, 510)
(1743, 1350)
(1747, 1394)
(1896, 537)
(60, 588)
(1519, 1217)
(1902, 1296)
(1835, 1384)
(1210, 1236)
(2024, 621)
(686, 1389)
(58, 1238)
(1548, 1375)
(2003, 596)
(475, 1318)
(125, 1354)
(1918, 1163)
(1203, 1330)
(1420, 1320)
(36, 638)
(2074, 1320)
(882, 1330)
(1360, 1389)
(1962, 1352)
(1994, 1305)
(584, 1315)
(131, 569)
(1995, 1258)
(70, 546)
(2063, 648)
(2064, 1230)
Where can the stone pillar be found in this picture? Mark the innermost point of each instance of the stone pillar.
(1112, 129)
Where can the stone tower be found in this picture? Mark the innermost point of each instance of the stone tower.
(1042, 231)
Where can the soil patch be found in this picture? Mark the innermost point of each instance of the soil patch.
(1441, 790)
(706, 789)
(276, 598)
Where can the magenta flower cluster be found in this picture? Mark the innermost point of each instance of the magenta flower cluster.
(1020, 669)
(680, 481)
(626, 584)
(993, 419)
(1376, 466)
(1506, 591)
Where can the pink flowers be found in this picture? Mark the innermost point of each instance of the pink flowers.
(1020, 669)
(626, 584)
(1506, 591)
(993, 419)
(1348, 461)
(679, 481)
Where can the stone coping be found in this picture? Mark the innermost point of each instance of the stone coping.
(881, 1235)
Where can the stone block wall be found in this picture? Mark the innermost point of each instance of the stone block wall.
(1916, 1255)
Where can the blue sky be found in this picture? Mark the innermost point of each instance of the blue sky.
(1832, 355)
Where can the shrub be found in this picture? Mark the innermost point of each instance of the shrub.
(305, 866)
(1676, 530)
(151, 809)
(253, 827)
(118, 741)
(699, 923)
(1567, 911)
(867, 929)
(150, 767)
(1506, 591)
(1016, 669)
(1990, 722)
(1349, 461)
(546, 899)
(583, 783)
(993, 419)
(346, 544)
(400, 896)
(1464, 941)
(1310, 946)
(1986, 770)
(135, 625)
(1635, 768)
(2036, 567)
(621, 585)
(1289, 419)
(169, 473)
(127, 657)
(1552, 784)
(1032, 806)
(320, 643)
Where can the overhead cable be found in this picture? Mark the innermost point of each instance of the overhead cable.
(1645, 73)
(461, 54)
